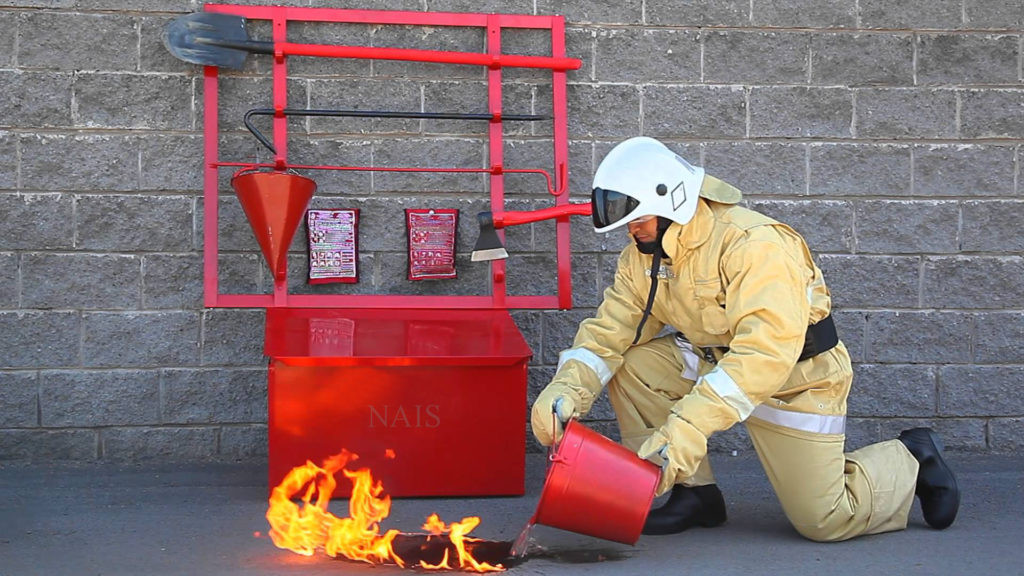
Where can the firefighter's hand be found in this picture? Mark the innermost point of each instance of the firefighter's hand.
(555, 405)
(677, 447)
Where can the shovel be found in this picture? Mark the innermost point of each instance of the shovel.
(214, 39)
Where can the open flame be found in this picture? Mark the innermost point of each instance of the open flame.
(307, 525)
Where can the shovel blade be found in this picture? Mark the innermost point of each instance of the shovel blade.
(197, 38)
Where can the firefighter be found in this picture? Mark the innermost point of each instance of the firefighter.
(752, 341)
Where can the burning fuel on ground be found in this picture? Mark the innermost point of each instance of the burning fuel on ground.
(300, 522)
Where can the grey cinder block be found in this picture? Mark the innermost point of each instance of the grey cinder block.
(992, 113)
(138, 223)
(647, 55)
(133, 101)
(759, 169)
(967, 59)
(84, 281)
(99, 398)
(756, 57)
(48, 445)
(918, 337)
(981, 391)
(35, 99)
(905, 113)
(39, 339)
(867, 281)
(944, 14)
(903, 227)
(862, 59)
(141, 444)
(143, 339)
(75, 41)
(204, 396)
(981, 281)
(777, 111)
(107, 162)
(233, 337)
(804, 13)
(859, 170)
(906, 391)
(963, 170)
(20, 391)
(694, 112)
(37, 221)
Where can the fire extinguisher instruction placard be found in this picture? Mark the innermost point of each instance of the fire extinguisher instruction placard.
(431, 242)
(333, 246)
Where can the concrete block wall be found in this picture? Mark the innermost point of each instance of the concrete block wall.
(890, 134)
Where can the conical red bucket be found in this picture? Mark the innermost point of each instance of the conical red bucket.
(597, 487)
(274, 203)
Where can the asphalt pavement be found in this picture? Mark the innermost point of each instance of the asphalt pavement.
(208, 519)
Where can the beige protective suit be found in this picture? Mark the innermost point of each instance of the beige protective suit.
(741, 289)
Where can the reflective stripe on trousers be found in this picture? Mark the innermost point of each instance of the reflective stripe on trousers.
(815, 423)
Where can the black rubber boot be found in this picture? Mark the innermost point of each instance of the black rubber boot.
(687, 507)
(936, 485)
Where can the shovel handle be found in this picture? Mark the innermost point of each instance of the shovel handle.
(438, 56)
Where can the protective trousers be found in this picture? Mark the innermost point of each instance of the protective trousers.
(826, 494)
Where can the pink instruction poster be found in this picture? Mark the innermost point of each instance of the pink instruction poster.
(333, 246)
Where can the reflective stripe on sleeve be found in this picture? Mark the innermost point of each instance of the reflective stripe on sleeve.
(729, 391)
(816, 423)
(590, 359)
(691, 361)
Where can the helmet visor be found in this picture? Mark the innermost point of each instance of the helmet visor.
(610, 207)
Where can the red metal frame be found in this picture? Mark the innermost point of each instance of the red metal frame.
(493, 59)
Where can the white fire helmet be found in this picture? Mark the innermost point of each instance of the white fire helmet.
(642, 177)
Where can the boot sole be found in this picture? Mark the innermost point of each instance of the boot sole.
(682, 527)
(941, 461)
(677, 529)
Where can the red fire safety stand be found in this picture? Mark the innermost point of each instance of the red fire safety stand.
(429, 391)
(433, 401)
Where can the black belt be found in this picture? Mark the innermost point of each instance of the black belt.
(820, 337)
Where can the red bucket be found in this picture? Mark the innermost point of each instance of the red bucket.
(274, 203)
(597, 487)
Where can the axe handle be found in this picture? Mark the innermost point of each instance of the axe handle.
(503, 219)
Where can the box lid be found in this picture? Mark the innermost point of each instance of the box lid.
(348, 336)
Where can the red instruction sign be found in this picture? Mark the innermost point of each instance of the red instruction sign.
(431, 242)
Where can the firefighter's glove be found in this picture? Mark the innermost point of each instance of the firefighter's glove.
(678, 447)
(553, 408)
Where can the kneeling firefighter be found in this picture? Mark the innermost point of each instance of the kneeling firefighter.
(753, 342)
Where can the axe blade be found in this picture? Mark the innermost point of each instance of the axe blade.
(488, 245)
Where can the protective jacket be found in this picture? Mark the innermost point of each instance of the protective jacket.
(742, 288)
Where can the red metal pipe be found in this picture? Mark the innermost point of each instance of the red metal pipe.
(544, 173)
(496, 151)
(211, 239)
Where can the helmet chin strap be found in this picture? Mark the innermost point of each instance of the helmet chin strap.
(656, 249)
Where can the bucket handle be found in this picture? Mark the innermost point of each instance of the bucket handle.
(258, 168)
(553, 455)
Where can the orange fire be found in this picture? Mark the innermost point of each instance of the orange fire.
(305, 526)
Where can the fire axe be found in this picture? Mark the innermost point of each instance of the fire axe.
(488, 244)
